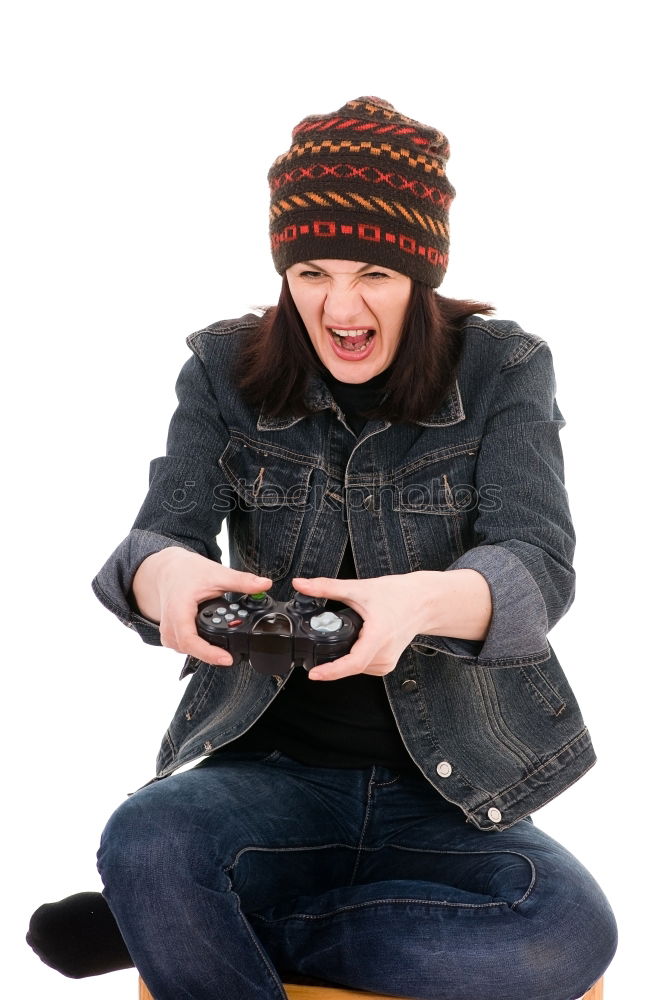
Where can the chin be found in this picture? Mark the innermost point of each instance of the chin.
(352, 372)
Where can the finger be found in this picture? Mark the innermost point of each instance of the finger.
(178, 631)
(343, 667)
(324, 586)
(192, 644)
(205, 651)
(245, 583)
(364, 652)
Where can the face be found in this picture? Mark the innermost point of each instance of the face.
(353, 314)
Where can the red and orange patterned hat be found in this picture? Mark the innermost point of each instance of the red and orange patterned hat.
(365, 183)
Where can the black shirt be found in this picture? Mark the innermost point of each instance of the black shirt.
(343, 723)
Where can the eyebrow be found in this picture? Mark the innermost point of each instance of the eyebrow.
(311, 263)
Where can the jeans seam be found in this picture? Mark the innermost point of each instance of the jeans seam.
(380, 902)
(262, 849)
(269, 968)
(386, 784)
(518, 854)
(367, 814)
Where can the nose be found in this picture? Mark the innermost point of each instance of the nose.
(344, 306)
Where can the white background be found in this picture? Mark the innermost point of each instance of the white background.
(137, 137)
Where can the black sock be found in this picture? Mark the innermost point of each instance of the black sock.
(78, 936)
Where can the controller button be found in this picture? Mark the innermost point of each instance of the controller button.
(217, 620)
(327, 622)
(233, 607)
(242, 613)
(304, 603)
(229, 616)
(257, 598)
(220, 611)
(207, 613)
(235, 621)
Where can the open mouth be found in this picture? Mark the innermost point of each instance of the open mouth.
(352, 343)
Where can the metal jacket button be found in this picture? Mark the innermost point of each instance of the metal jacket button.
(495, 815)
(444, 769)
(409, 685)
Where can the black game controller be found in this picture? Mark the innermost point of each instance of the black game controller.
(276, 635)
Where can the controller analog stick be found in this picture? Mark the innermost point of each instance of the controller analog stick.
(302, 602)
(256, 599)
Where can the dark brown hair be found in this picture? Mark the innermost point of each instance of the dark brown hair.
(278, 360)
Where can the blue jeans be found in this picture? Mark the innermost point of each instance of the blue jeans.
(249, 867)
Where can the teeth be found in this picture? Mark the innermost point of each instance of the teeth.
(358, 340)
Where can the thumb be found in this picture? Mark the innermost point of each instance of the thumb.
(248, 583)
(324, 586)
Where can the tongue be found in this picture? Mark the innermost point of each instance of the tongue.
(352, 342)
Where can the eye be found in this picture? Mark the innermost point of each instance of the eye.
(310, 275)
(376, 275)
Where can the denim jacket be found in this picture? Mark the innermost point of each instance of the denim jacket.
(493, 725)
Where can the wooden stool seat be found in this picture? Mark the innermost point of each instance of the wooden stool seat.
(297, 992)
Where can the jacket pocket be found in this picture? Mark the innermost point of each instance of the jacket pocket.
(536, 704)
(437, 505)
(540, 686)
(271, 495)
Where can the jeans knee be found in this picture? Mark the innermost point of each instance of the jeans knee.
(123, 844)
(592, 948)
(574, 944)
(144, 840)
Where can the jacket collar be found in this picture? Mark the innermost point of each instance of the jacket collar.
(318, 397)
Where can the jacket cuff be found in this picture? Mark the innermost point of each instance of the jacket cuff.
(112, 584)
(519, 622)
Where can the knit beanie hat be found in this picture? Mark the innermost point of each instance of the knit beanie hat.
(367, 184)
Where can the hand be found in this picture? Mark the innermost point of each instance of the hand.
(168, 587)
(387, 604)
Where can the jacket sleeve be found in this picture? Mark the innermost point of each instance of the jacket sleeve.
(180, 507)
(524, 539)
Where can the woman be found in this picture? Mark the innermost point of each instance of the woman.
(366, 824)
